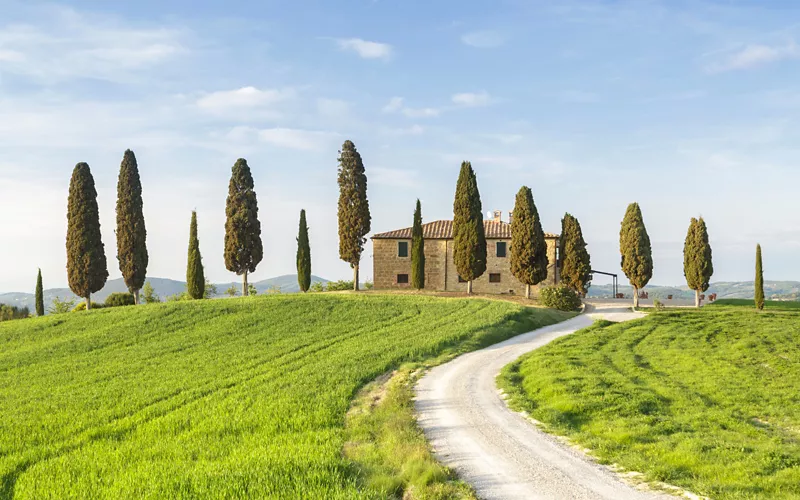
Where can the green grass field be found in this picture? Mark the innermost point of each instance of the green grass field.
(779, 305)
(216, 399)
(708, 400)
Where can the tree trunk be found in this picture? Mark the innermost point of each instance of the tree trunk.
(245, 286)
(89, 302)
(469, 287)
(635, 298)
(355, 278)
(527, 291)
(136, 297)
(697, 298)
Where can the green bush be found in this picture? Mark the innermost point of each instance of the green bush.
(13, 312)
(179, 297)
(120, 299)
(559, 297)
(82, 306)
(658, 305)
(336, 286)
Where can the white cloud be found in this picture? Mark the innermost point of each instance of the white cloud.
(332, 107)
(752, 56)
(471, 99)
(245, 97)
(420, 112)
(486, 39)
(365, 49)
(306, 140)
(395, 104)
(393, 177)
(412, 130)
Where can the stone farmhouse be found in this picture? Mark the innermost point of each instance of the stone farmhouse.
(391, 259)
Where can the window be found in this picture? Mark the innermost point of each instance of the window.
(402, 249)
(402, 279)
(501, 249)
(494, 278)
(461, 280)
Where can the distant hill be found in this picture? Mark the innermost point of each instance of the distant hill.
(776, 290)
(163, 287)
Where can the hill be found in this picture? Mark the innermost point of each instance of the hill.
(776, 290)
(229, 398)
(163, 287)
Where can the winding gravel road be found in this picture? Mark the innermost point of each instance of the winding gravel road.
(500, 453)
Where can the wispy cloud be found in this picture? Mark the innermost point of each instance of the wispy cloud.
(752, 56)
(307, 140)
(412, 130)
(394, 177)
(332, 107)
(485, 39)
(397, 105)
(472, 99)
(245, 97)
(365, 49)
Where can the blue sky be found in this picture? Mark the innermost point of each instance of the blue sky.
(690, 108)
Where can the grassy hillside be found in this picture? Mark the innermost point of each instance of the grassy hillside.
(228, 398)
(776, 305)
(786, 290)
(707, 400)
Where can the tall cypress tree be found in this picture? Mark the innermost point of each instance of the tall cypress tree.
(576, 267)
(759, 280)
(87, 269)
(243, 247)
(417, 250)
(195, 277)
(697, 266)
(354, 217)
(303, 255)
(634, 245)
(39, 295)
(469, 238)
(131, 232)
(528, 247)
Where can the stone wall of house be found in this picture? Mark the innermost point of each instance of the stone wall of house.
(387, 265)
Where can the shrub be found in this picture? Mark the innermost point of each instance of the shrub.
(559, 297)
(658, 305)
(120, 299)
(13, 312)
(179, 297)
(82, 306)
(335, 286)
(317, 287)
(60, 306)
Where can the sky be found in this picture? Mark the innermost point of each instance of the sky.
(689, 108)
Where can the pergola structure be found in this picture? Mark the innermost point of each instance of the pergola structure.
(614, 284)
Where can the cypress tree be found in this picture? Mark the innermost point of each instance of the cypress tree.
(87, 269)
(39, 295)
(243, 247)
(417, 250)
(469, 238)
(634, 245)
(697, 266)
(576, 267)
(303, 255)
(759, 280)
(354, 217)
(131, 232)
(195, 277)
(528, 247)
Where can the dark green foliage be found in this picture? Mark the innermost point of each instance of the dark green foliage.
(759, 280)
(528, 246)
(119, 299)
(87, 269)
(559, 297)
(303, 255)
(697, 266)
(195, 278)
(7, 313)
(243, 247)
(417, 251)
(576, 267)
(634, 245)
(354, 217)
(39, 295)
(338, 286)
(131, 232)
(469, 239)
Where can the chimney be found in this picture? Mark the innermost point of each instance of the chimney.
(510, 216)
(498, 216)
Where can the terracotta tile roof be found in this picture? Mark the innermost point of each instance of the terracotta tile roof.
(443, 230)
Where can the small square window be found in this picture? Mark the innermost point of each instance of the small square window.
(402, 249)
(402, 279)
(461, 280)
(501, 249)
(494, 278)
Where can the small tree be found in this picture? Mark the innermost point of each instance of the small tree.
(149, 295)
(576, 267)
(697, 266)
(39, 295)
(252, 290)
(469, 238)
(210, 290)
(528, 247)
(303, 255)
(131, 232)
(243, 247)
(86, 259)
(61, 306)
(232, 291)
(634, 245)
(195, 278)
(354, 217)
(759, 280)
(417, 251)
